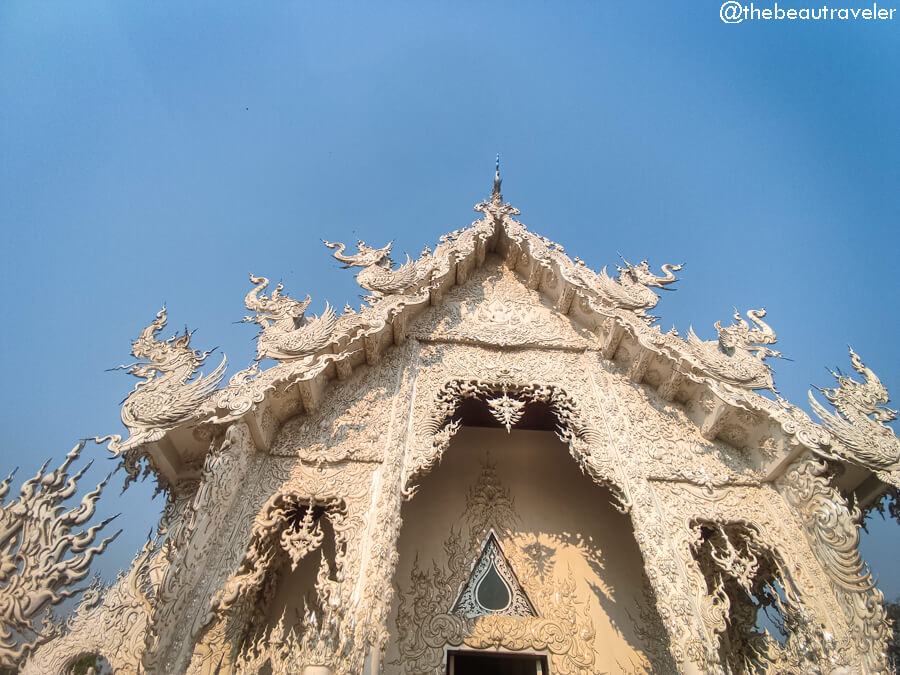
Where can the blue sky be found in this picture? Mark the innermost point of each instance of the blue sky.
(160, 152)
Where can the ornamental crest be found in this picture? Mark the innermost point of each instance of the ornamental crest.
(860, 420)
(378, 276)
(285, 334)
(738, 357)
(631, 289)
(170, 390)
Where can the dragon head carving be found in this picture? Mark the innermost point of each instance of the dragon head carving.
(367, 256)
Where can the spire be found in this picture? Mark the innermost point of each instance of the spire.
(496, 197)
(495, 207)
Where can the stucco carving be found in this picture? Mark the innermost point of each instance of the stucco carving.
(109, 622)
(431, 615)
(860, 422)
(508, 411)
(833, 533)
(434, 433)
(738, 356)
(378, 276)
(362, 404)
(285, 333)
(631, 289)
(41, 557)
(170, 392)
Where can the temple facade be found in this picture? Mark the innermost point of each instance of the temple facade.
(499, 464)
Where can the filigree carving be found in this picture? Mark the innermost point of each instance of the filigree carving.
(631, 289)
(285, 333)
(428, 618)
(302, 537)
(492, 563)
(170, 392)
(378, 276)
(240, 395)
(110, 622)
(438, 428)
(860, 422)
(41, 558)
(743, 577)
(833, 534)
(508, 411)
(738, 356)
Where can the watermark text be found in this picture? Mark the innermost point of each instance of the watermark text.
(733, 11)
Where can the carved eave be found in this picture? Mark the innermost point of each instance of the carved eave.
(770, 431)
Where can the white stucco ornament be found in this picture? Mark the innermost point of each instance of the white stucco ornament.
(300, 495)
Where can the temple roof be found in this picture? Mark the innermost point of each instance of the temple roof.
(172, 412)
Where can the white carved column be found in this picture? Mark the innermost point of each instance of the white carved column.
(665, 569)
(375, 588)
(832, 531)
(201, 554)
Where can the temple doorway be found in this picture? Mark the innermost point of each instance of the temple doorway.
(481, 663)
(513, 514)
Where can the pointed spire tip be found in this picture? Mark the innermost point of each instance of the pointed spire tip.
(496, 196)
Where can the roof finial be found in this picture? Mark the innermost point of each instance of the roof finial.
(496, 197)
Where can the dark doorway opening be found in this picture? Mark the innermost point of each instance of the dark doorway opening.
(482, 663)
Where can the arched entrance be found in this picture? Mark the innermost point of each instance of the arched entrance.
(559, 537)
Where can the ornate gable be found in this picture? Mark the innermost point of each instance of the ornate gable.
(495, 308)
(495, 284)
(360, 405)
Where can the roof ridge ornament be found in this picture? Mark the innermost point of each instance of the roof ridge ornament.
(496, 207)
(496, 195)
(738, 356)
(285, 332)
(170, 392)
(860, 420)
(378, 275)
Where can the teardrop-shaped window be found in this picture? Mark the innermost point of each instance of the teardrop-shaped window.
(492, 593)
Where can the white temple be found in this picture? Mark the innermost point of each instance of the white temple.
(499, 465)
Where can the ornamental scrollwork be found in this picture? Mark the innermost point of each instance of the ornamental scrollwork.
(378, 275)
(550, 616)
(41, 558)
(632, 287)
(110, 622)
(285, 333)
(508, 411)
(435, 432)
(322, 641)
(860, 420)
(743, 578)
(831, 528)
(170, 391)
(279, 527)
(738, 356)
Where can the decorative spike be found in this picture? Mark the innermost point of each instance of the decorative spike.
(496, 195)
(42, 559)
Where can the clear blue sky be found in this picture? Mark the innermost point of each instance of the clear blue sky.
(159, 152)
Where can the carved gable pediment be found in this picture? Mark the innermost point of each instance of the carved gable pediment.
(496, 308)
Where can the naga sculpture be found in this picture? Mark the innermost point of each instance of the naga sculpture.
(285, 333)
(168, 394)
(40, 557)
(860, 420)
(631, 289)
(738, 356)
(378, 276)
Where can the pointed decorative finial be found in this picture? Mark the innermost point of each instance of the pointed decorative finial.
(496, 197)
